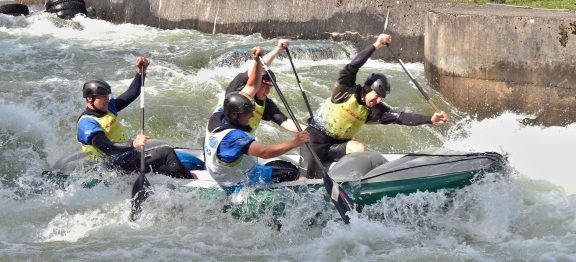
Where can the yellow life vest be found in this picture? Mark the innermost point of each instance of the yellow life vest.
(341, 121)
(113, 131)
(257, 116)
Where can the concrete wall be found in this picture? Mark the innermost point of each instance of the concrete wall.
(487, 60)
(356, 21)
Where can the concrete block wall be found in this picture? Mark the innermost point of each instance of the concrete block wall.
(487, 60)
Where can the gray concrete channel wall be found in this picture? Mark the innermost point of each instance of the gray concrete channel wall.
(483, 59)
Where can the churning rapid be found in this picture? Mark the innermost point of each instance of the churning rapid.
(526, 213)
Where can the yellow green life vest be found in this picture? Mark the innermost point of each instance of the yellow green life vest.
(113, 130)
(257, 116)
(341, 121)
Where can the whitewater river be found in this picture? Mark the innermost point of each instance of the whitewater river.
(528, 216)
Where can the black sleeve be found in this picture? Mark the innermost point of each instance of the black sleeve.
(237, 83)
(385, 115)
(123, 100)
(346, 83)
(347, 75)
(273, 113)
(341, 93)
(100, 141)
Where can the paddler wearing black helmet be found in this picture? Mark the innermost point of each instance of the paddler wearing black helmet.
(265, 108)
(350, 106)
(103, 138)
(231, 151)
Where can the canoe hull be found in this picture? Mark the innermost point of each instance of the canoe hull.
(367, 176)
(370, 193)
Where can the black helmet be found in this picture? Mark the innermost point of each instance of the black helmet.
(378, 83)
(238, 103)
(266, 78)
(96, 88)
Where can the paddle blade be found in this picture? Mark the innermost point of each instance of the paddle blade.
(339, 198)
(140, 184)
(140, 192)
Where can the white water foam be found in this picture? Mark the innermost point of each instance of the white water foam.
(22, 120)
(536, 152)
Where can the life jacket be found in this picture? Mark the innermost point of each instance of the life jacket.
(113, 130)
(257, 116)
(227, 174)
(341, 121)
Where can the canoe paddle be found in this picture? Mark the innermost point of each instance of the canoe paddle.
(299, 83)
(407, 72)
(339, 198)
(142, 187)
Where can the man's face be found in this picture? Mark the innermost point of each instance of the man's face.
(101, 102)
(372, 98)
(264, 90)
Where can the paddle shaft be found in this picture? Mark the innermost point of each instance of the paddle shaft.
(426, 97)
(142, 156)
(341, 200)
(141, 185)
(414, 81)
(299, 84)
